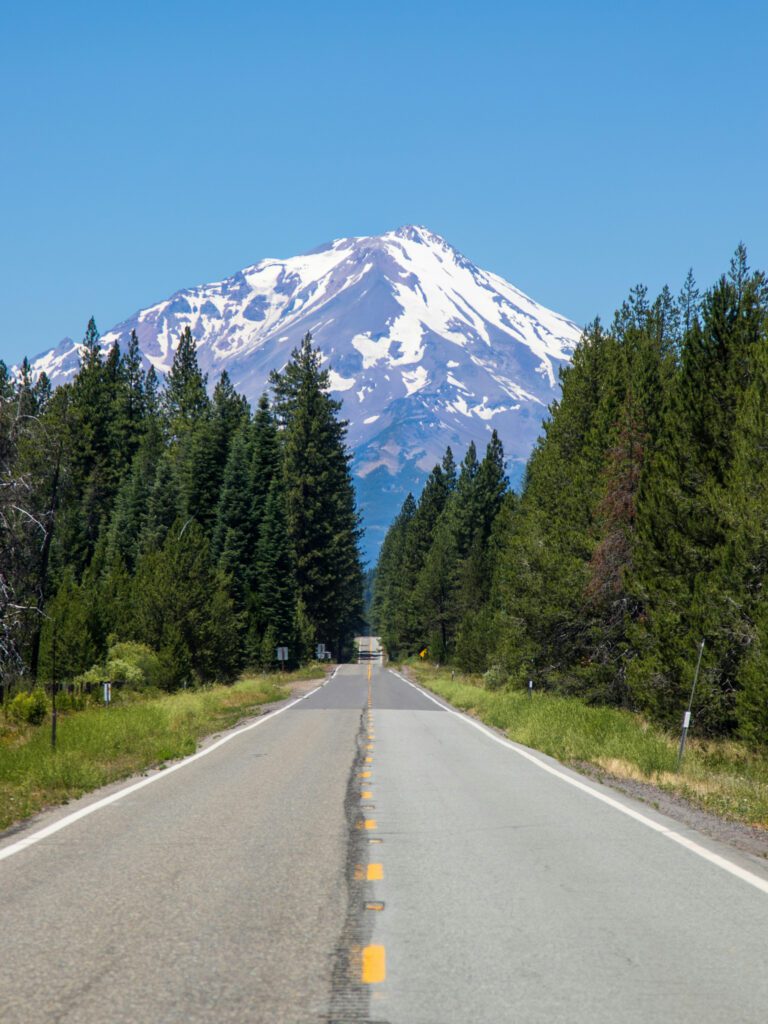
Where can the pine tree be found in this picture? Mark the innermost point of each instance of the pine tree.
(541, 571)
(181, 610)
(131, 413)
(193, 451)
(433, 499)
(436, 588)
(274, 602)
(682, 509)
(322, 519)
(92, 468)
(133, 502)
(69, 617)
(265, 459)
(209, 447)
(392, 603)
(232, 540)
(185, 399)
(91, 355)
(688, 302)
(164, 506)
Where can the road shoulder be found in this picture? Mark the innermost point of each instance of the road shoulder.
(739, 836)
(54, 812)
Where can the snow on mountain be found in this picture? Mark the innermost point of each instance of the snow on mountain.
(424, 348)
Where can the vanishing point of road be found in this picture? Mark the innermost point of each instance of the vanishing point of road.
(365, 854)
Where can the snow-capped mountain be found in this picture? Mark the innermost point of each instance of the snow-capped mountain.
(424, 348)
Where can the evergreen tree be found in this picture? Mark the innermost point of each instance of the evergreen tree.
(231, 545)
(69, 618)
(209, 449)
(274, 602)
(182, 610)
(392, 604)
(435, 589)
(134, 499)
(265, 460)
(185, 399)
(683, 526)
(92, 461)
(322, 519)
(164, 506)
(433, 499)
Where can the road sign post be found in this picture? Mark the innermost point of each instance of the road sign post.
(282, 657)
(530, 689)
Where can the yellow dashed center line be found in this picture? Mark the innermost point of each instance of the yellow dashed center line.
(374, 965)
(373, 961)
(369, 872)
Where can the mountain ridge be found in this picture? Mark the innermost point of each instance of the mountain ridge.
(424, 348)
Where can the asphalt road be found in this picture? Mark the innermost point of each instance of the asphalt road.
(367, 855)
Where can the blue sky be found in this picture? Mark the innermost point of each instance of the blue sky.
(574, 148)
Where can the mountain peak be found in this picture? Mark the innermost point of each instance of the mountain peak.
(425, 348)
(417, 233)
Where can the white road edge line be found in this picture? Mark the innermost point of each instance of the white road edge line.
(676, 837)
(70, 819)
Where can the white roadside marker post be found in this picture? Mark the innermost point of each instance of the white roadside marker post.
(687, 715)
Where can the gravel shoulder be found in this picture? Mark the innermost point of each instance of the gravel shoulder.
(743, 837)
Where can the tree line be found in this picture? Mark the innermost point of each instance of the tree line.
(641, 528)
(135, 510)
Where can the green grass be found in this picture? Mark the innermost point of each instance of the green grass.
(99, 745)
(722, 776)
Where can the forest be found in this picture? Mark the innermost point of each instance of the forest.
(640, 530)
(158, 535)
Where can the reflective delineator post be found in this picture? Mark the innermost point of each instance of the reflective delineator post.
(687, 715)
(53, 689)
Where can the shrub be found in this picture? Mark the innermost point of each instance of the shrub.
(133, 664)
(136, 657)
(495, 678)
(70, 701)
(28, 708)
(118, 670)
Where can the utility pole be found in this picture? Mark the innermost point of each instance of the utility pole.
(687, 715)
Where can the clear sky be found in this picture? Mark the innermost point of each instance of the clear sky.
(574, 148)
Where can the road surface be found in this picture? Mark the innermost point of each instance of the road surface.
(368, 855)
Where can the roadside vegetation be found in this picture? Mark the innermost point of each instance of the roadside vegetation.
(638, 539)
(140, 514)
(722, 776)
(98, 745)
